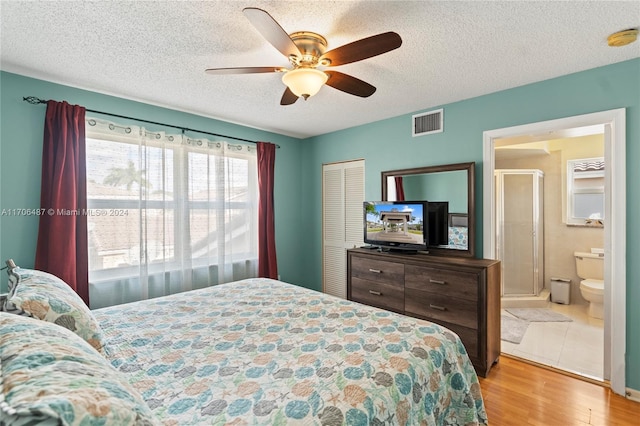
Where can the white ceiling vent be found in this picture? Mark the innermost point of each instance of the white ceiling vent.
(427, 123)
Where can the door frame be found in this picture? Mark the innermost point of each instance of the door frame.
(614, 122)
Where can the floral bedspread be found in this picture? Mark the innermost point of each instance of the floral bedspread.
(261, 351)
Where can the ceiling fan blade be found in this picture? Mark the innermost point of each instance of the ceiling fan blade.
(243, 70)
(363, 48)
(288, 97)
(349, 84)
(272, 31)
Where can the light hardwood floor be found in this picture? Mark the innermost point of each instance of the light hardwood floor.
(517, 393)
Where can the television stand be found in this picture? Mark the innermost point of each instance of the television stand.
(370, 247)
(401, 251)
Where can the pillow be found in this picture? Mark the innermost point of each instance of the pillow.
(13, 278)
(44, 296)
(49, 375)
(6, 306)
(458, 236)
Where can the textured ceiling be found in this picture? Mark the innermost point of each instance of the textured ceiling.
(156, 52)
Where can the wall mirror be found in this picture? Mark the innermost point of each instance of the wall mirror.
(453, 183)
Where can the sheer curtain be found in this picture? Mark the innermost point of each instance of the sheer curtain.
(167, 213)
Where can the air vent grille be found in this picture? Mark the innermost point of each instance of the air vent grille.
(427, 123)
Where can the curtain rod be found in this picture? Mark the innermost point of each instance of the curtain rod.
(33, 100)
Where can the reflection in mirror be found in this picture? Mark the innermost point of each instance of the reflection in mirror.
(443, 186)
(449, 183)
(585, 191)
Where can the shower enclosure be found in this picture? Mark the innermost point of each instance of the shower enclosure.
(520, 231)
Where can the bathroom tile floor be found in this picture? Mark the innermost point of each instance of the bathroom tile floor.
(576, 346)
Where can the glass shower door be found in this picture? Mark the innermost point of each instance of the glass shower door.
(519, 229)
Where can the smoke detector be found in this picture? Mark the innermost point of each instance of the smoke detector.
(622, 38)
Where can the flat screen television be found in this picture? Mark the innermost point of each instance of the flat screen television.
(438, 223)
(396, 225)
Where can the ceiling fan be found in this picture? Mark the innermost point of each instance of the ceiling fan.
(307, 51)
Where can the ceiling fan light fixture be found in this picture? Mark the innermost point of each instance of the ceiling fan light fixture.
(304, 82)
(306, 51)
(622, 38)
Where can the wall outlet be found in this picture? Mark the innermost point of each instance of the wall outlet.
(633, 394)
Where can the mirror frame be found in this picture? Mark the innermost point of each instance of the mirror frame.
(471, 201)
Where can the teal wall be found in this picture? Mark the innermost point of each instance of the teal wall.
(299, 163)
(21, 133)
(438, 187)
(611, 87)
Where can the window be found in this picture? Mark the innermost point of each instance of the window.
(168, 213)
(585, 191)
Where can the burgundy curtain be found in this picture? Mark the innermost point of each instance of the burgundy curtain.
(399, 189)
(62, 235)
(267, 262)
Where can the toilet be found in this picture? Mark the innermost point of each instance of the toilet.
(590, 267)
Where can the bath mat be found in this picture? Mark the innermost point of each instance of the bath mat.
(538, 315)
(512, 329)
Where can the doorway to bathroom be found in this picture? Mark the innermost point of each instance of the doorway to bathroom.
(546, 147)
(536, 244)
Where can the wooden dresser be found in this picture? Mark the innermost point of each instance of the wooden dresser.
(462, 294)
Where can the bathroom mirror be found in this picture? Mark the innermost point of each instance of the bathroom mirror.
(453, 183)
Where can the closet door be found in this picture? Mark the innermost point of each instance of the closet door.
(342, 228)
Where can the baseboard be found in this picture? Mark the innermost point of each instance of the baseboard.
(632, 394)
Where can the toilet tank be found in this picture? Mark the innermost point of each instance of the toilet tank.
(590, 265)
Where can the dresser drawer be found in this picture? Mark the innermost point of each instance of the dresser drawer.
(441, 307)
(442, 281)
(381, 295)
(469, 339)
(378, 271)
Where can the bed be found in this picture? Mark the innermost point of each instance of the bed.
(458, 231)
(262, 351)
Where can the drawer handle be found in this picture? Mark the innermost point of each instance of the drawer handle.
(377, 293)
(440, 308)
(437, 282)
(375, 271)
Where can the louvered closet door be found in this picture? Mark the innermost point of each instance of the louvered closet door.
(342, 198)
